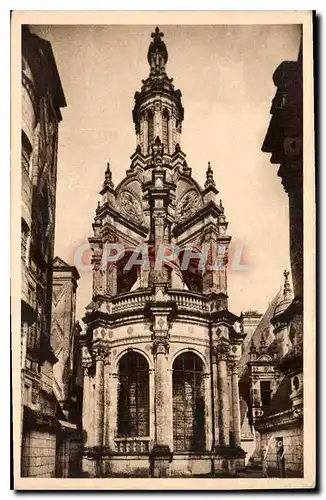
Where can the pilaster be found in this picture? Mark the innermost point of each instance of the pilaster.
(101, 352)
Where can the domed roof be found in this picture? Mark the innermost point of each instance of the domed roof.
(287, 296)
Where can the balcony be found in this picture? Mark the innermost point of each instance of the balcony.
(184, 299)
(134, 445)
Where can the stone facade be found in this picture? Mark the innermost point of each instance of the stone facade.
(160, 349)
(45, 426)
(42, 98)
(271, 375)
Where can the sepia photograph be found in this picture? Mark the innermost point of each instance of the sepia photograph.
(164, 220)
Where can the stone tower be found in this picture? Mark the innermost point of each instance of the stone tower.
(160, 348)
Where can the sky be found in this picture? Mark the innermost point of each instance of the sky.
(225, 76)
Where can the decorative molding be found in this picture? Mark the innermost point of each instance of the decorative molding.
(221, 351)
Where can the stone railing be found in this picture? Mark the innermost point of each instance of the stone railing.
(132, 445)
(189, 300)
(131, 301)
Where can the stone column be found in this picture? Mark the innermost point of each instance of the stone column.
(208, 412)
(162, 397)
(107, 402)
(221, 352)
(236, 404)
(112, 280)
(86, 363)
(216, 403)
(100, 350)
(152, 432)
(113, 411)
(161, 452)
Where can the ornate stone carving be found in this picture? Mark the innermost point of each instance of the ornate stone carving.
(187, 205)
(87, 360)
(101, 351)
(221, 351)
(160, 346)
(130, 206)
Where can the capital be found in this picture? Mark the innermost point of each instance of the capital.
(87, 363)
(101, 351)
(221, 351)
(160, 346)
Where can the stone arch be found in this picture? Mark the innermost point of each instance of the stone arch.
(194, 350)
(127, 349)
(133, 405)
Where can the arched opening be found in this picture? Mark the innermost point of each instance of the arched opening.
(150, 119)
(133, 396)
(165, 129)
(127, 277)
(188, 403)
(192, 273)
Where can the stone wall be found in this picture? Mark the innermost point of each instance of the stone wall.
(39, 454)
(293, 452)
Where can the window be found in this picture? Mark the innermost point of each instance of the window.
(133, 396)
(24, 239)
(165, 129)
(265, 393)
(150, 118)
(188, 404)
(26, 152)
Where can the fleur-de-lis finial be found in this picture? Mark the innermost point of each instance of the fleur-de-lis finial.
(157, 33)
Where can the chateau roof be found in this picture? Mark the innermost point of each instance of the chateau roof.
(264, 327)
(59, 263)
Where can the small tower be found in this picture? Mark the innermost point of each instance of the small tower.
(279, 320)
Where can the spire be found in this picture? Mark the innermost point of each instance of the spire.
(286, 288)
(209, 176)
(157, 55)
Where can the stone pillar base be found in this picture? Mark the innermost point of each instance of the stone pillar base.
(88, 467)
(227, 460)
(161, 458)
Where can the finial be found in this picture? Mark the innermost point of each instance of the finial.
(157, 35)
(262, 345)
(108, 173)
(209, 176)
(221, 206)
(286, 288)
(98, 204)
(252, 350)
(177, 148)
(108, 177)
(157, 55)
